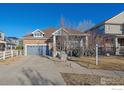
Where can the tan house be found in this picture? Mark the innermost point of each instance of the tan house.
(51, 41)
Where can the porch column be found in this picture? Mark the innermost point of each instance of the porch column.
(5, 48)
(117, 46)
(11, 50)
(25, 50)
(86, 41)
(81, 43)
(54, 46)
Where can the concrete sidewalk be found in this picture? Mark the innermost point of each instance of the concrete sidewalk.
(82, 70)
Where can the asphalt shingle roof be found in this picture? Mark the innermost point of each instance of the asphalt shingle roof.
(48, 33)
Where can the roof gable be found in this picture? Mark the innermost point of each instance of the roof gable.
(48, 32)
(52, 31)
(59, 31)
(118, 19)
(37, 30)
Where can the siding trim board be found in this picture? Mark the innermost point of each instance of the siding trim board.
(36, 44)
(113, 24)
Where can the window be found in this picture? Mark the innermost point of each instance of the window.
(109, 27)
(38, 34)
(122, 27)
(121, 41)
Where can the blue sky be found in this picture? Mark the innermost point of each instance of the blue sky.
(20, 19)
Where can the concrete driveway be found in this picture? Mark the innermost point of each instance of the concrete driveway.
(31, 70)
(36, 70)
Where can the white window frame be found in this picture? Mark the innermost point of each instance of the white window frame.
(122, 27)
(38, 33)
(109, 27)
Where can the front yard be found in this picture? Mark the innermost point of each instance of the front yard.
(105, 63)
(86, 79)
(11, 60)
(37, 70)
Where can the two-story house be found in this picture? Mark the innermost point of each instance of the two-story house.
(109, 34)
(2, 42)
(51, 41)
(14, 40)
(6, 43)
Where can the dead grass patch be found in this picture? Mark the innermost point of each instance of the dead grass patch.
(106, 63)
(86, 79)
(11, 60)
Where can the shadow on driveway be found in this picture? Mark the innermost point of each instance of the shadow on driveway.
(35, 78)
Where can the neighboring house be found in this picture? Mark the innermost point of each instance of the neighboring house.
(2, 42)
(109, 34)
(6, 43)
(14, 40)
(9, 44)
(46, 42)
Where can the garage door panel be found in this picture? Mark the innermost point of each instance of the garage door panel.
(37, 50)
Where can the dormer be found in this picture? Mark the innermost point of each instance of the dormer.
(38, 33)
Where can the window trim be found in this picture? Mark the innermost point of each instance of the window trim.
(109, 27)
(122, 27)
(38, 34)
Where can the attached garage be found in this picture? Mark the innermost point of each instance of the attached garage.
(37, 50)
(37, 43)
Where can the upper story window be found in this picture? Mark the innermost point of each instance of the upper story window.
(122, 27)
(38, 33)
(109, 27)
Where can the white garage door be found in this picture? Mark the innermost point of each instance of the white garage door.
(37, 50)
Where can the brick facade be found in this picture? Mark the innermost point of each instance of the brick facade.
(35, 41)
(48, 40)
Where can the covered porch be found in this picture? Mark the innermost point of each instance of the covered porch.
(119, 43)
(6, 46)
(2, 45)
(66, 41)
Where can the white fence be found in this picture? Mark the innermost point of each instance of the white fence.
(10, 53)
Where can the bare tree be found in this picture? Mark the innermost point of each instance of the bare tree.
(71, 42)
(85, 25)
(62, 21)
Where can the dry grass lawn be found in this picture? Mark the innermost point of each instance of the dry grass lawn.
(106, 63)
(85, 79)
(11, 60)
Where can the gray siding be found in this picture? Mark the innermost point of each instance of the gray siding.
(113, 25)
(112, 29)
